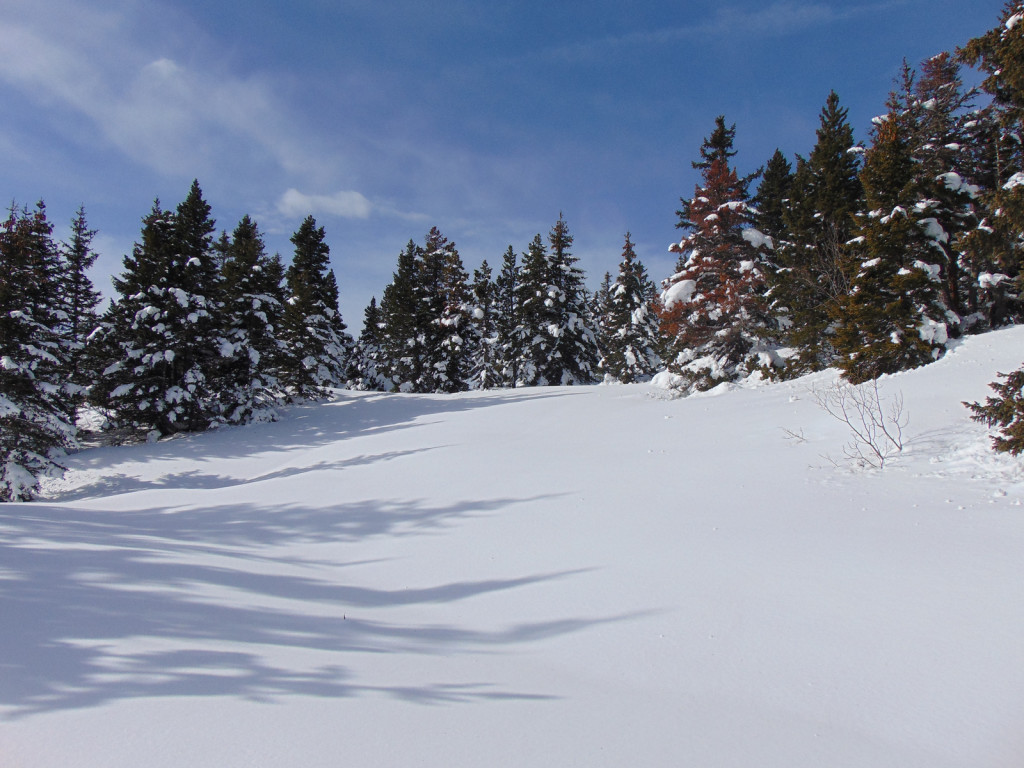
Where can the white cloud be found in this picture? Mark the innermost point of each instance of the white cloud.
(347, 204)
(180, 119)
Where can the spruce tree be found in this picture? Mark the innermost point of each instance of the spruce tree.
(318, 346)
(557, 344)
(946, 197)
(35, 425)
(891, 320)
(630, 330)
(535, 301)
(80, 300)
(161, 336)
(369, 355)
(442, 316)
(772, 196)
(1006, 411)
(249, 385)
(506, 320)
(574, 353)
(999, 54)
(713, 310)
(401, 343)
(812, 275)
(483, 348)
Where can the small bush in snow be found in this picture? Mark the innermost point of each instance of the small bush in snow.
(876, 425)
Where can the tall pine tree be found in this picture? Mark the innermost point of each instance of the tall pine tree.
(812, 275)
(630, 329)
(161, 336)
(713, 310)
(317, 343)
(250, 386)
(891, 319)
(35, 422)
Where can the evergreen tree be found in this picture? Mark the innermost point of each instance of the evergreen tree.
(713, 310)
(574, 356)
(35, 427)
(891, 319)
(812, 275)
(80, 301)
(161, 336)
(1006, 411)
(629, 329)
(401, 343)
(506, 320)
(369, 353)
(999, 54)
(773, 195)
(318, 346)
(946, 205)
(249, 386)
(442, 316)
(484, 350)
(557, 344)
(535, 301)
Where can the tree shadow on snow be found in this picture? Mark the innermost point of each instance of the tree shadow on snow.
(302, 427)
(101, 606)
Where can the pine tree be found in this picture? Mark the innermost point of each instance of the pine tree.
(556, 342)
(891, 320)
(629, 328)
(442, 316)
(812, 275)
(506, 320)
(1006, 411)
(35, 427)
(401, 343)
(574, 350)
(483, 348)
(161, 336)
(80, 301)
(947, 205)
(535, 300)
(999, 54)
(369, 355)
(713, 311)
(772, 196)
(249, 386)
(318, 345)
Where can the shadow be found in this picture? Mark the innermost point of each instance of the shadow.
(100, 606)
(348, 414)
(116, 484)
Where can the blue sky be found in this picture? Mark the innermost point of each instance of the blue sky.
(384, 118)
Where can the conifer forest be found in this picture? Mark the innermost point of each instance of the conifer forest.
(867, 257)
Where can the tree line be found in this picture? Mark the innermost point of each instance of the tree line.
(867, 258)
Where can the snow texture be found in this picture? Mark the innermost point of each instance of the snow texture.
(592, 576)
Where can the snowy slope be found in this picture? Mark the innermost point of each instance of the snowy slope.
(590, 576)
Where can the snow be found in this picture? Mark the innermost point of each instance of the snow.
(1014, 20)
(933, 230)
(758, 239)
(987, 280)
(681, 291)
(955, 182)
(592, 576)
(1017, 180)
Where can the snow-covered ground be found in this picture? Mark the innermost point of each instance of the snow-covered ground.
(595, 576)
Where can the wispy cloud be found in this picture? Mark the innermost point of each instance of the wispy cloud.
(169, 116)
(778, 19)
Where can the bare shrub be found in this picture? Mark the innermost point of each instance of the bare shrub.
(876, 424)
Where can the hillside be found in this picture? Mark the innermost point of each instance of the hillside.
(593, 576)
